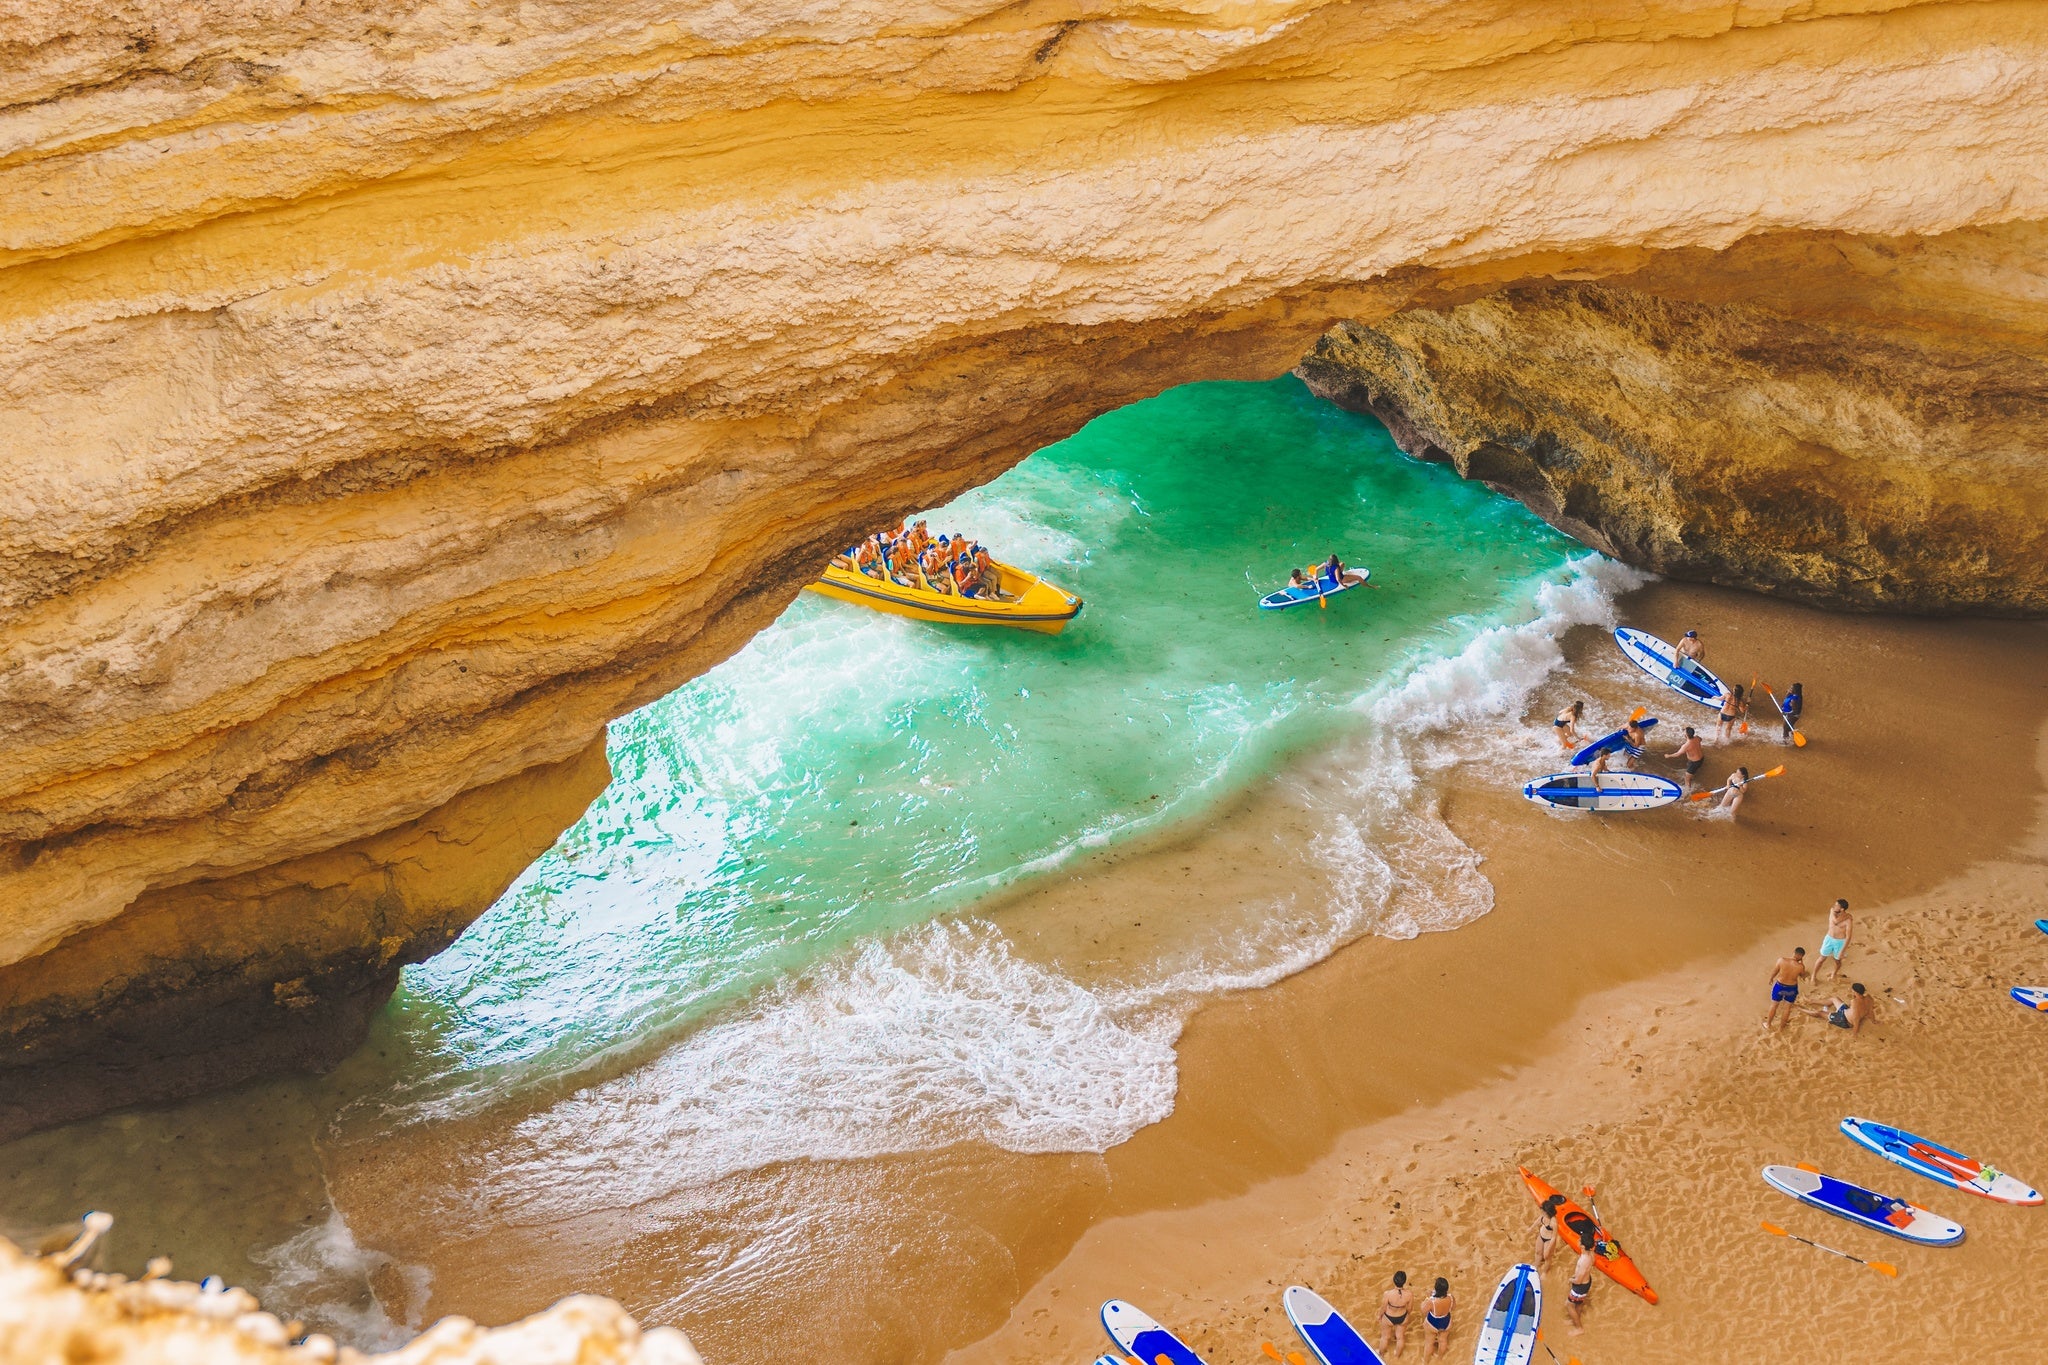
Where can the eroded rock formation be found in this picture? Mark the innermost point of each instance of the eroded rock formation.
(52, 1310)
(1855, 422)
(396, 393)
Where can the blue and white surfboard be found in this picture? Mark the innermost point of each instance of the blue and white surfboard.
(1136, 1334)
(1658, 659)
(1335, 1341)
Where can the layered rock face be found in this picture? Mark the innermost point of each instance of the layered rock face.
(1853, 422)
(394, 394)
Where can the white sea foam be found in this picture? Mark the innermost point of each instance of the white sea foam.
(938, 1036)
(325, 1279)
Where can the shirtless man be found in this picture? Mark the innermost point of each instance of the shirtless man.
(1566, 726)
(1632, 733)
(1689, 647)
(1693, 754)
(1785, 979)
(1852, 1014)
(1835, 942)
(1582, 1286)
(1394, 1306)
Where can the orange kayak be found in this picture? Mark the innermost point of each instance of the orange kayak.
(1575, 1225)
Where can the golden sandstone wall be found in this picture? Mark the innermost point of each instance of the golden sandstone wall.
(394, 393)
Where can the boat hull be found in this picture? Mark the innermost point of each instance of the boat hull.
(1030, 603)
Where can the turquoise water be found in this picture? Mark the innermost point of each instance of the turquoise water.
(849, 774)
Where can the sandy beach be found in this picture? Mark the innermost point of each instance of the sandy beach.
(1600, 1024)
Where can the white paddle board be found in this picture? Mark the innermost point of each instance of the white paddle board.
(1138, 1335)
(1895, 1217)
(1334, 1341)
(1943, 1165)
(1658, 659)
(2033, 997)
(1603, 791)
(1609, 743)
(1507, 1335)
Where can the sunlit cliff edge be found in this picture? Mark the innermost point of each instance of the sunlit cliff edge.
(393, 395)
(55, 1312)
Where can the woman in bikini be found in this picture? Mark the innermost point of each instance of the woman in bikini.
(1436, 1314)
(1566, 726)
(1394, 1308)
(1546, 1230)
(1733, 708)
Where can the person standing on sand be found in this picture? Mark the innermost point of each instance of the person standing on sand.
(1546, 1230)
(1690, 648)
(1436, 1315)
(1731, 797)
(1835, 942)
(1582, 1284)
(1566, 726)
(1693, 754)
(1785, 979)
(1394, 1306)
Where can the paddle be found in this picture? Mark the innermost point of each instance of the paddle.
(1745, 712)
(1701, 796)
(1881, 1267)
(1291, 1358)
(1798, 740)
(1568, 1360)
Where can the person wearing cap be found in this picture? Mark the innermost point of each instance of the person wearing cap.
(1689, 647)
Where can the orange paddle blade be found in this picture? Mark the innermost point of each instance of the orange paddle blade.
(1804, 1167)
(1772, 773)
(1296, 1358)
(1701, 796)
(1884, 1267)
(1274, 1351)
(1798, 740)
(1638, 713)
(1775, 1230)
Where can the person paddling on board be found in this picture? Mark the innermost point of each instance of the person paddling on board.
(1836, 941)
(1566, 726)
(1332, 570)
(1394, 1306)
(1296, 583)
(1790, 708)
(1786, 974)
(1693, 754)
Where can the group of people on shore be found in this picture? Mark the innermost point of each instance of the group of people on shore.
(1691, 751)
(1788, 973)
(912, 557)
(1398, 1303)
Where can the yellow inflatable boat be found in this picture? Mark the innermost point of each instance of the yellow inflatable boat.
(1021, 600)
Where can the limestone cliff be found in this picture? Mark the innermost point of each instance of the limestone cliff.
(396, 393)
(1853, 422)
(53, 1311)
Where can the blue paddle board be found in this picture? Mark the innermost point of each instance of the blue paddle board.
(1893, 1217)
(1603, 791)
(1617, 740)
(1658, 659)
(1137, 1335)
(2033, 997)
(1507, 1335)
(1943, 1165)
(2042, 925)
(1335, 1341)
(1314, 592)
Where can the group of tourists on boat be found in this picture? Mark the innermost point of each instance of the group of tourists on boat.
(914, 558)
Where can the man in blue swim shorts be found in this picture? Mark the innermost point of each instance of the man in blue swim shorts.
(1785, 979)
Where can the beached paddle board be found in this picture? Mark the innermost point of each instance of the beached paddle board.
(1137, 1335)
(1575, 1225)
(2042, 925)
(2033, 997)
(1658, 659)
(1313, 592)
(1603, 791)
(1895, 1217)
(1606, 743)
(1507, 1335)
(1335, 1341)
(1943, 1165)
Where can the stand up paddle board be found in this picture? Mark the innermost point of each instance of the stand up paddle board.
(1895, 1217)
(1606, 743)
(1313, 592)
(1662, 662)
(1137, 1335)
(1603, 791)
(1507, 1336)
(1575, 1225)
(1335, 1341)
(2042, 925)
(2033, 997)
(1943, 1165)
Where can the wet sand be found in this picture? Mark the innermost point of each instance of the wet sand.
(1430, 1065)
